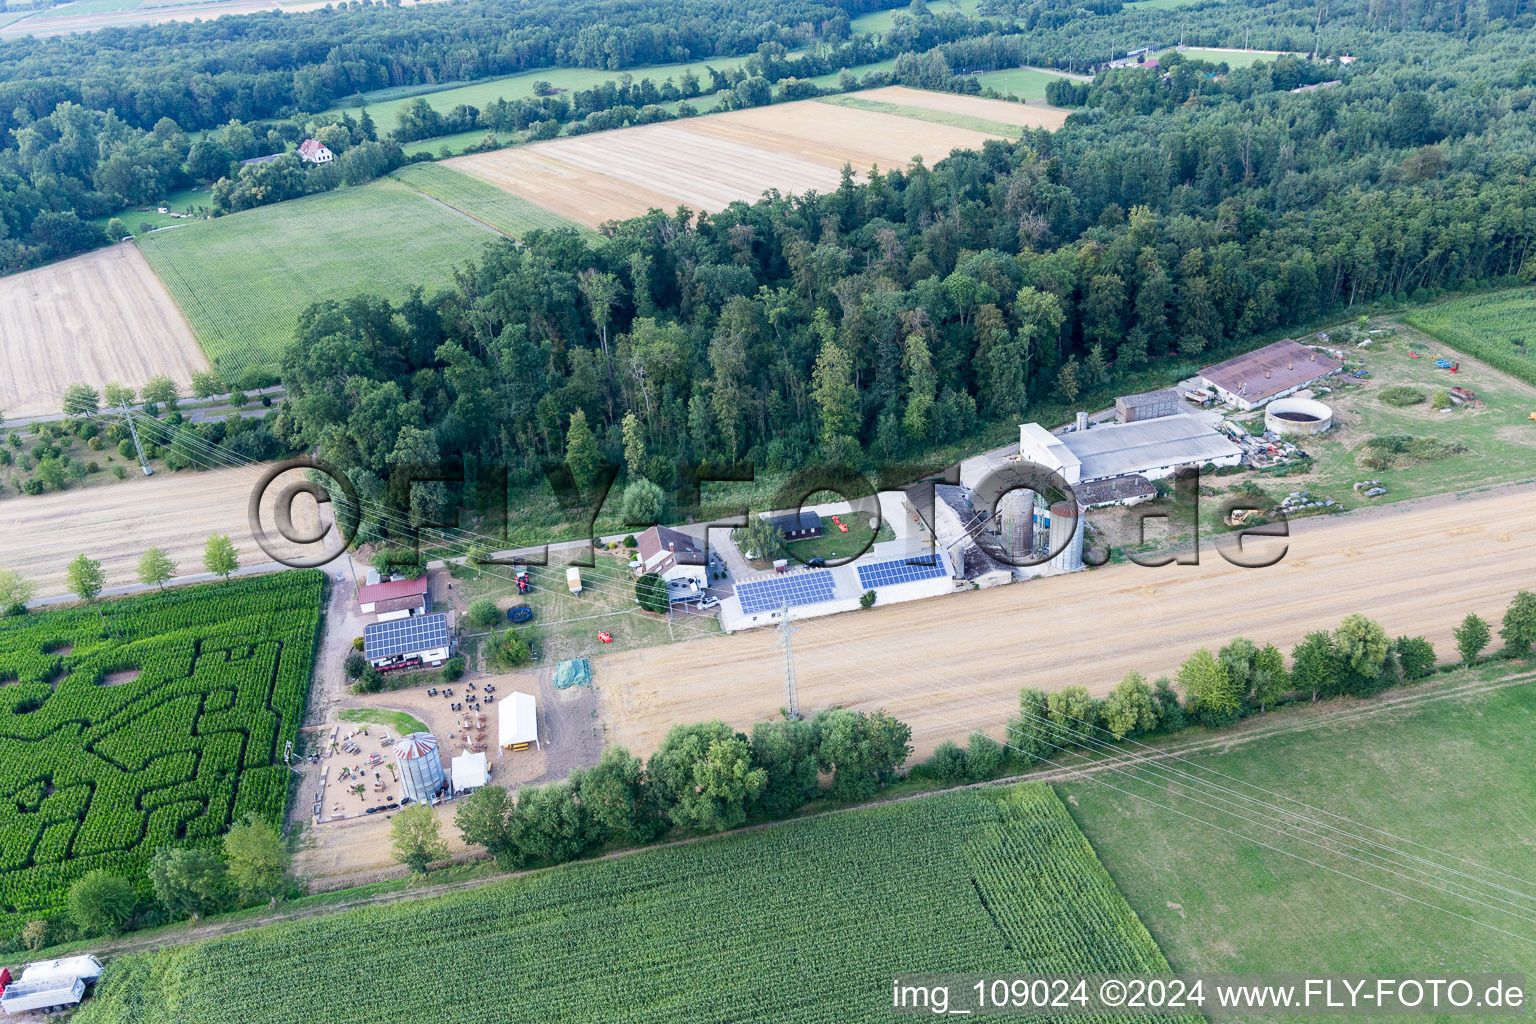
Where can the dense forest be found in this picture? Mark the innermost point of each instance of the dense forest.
(1179, 210)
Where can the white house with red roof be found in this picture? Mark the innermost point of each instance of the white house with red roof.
(313, 152)
(675, 557)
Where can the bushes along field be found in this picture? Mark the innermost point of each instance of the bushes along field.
(157, 724)
(798, 923)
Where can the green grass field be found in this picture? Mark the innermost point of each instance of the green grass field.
(486, 203)
(1025, 83)
(803, 922)
(1498, 328)
(834, 543)
(384, 106)
(402, 723)
(242, 280)
(881, 21)
(1454, 775)
(1232, 58)
(185, 200)
(976, 124)
(1161, 5)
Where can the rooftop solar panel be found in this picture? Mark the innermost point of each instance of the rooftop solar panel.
(794, 588)
(901, 570)
(405, 636)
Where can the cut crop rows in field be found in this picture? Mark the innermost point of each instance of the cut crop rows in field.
(802, 922)
(158, 723)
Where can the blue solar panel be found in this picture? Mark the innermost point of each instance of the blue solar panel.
(902, 570)
(405, 636)
(794, 588)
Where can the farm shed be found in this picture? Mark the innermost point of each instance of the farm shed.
(798, 525)
(424, 639)
(1149, 448)
(393, 595)
(470, 771)
(1116, 490)
(518, 722)
(1274, 371)
(1147, 405)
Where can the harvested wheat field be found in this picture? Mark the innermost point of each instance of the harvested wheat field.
(96, 318)
(114, 524)
(950, 665)
(968, 106)
(707, 163)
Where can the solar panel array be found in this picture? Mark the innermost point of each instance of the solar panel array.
(795, 588)
(901, 570)
(405, 636)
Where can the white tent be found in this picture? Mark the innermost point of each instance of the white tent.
(469, 771)
(519, 720)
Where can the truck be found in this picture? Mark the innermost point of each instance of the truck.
(86, 967)
(48, 993)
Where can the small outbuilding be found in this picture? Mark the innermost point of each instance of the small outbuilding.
(801, 524)
(1147, 405)
(393, 595)
(470, 771)
(517, 725)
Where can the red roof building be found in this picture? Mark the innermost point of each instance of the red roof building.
(370, 597)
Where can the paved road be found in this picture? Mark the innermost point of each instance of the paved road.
(217, 410)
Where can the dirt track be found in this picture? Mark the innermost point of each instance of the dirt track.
(950, 665)
(96, 318)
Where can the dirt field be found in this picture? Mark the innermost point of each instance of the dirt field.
(707, 163)
(173, 511)
(951, 665)
(973, 106)
(96, 318)
(63, 20)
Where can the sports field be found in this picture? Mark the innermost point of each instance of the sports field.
(474, 198)
(242, 280)
(1231, 57)
(92, 319)
(1499, 328)
(804, 922)
(707, 163)
(1416, 569)
(1025, 83)
(1452, 774)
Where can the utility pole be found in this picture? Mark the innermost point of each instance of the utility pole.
(143, 462)
(786, 632)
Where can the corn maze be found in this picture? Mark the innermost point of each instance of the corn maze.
(158, 722)
(803, 922)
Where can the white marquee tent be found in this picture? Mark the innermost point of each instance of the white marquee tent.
(470, 771)
(518, 720)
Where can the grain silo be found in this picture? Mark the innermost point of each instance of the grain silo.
(1066, 537)
(420, 767)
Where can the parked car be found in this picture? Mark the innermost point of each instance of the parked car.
(707, 602)
(816, 563)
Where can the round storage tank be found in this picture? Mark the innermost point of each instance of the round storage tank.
(1297, 416)
(420, 767)
(1066, 537)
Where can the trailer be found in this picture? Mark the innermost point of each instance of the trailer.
(573, 580)
(43, 994)
(86, 967)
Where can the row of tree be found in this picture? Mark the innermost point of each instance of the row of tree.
(703, 778)
(250, 866)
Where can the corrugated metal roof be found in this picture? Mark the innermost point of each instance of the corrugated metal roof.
(417, 744)
(370, 593)
(1269, 370)
(1145, 445)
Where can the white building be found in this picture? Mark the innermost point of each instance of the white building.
(313, 152)
(1150, 448)
(470, 771)
(677, 558)
(517, 723)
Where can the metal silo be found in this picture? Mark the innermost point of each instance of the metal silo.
(420, 767)
(1018, 523)
(1066, 537)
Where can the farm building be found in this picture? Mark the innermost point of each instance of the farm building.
(1151, 449)
(470, 771)
(1274, 371)
(677, 558)
(409, 596)
(1116, 490)
(408, 643)
(420, 767)
(260, 160)
(517, 725)
(801, 524)
(896, 570)
(969, 536)
(313, 152)
(1147, 406)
